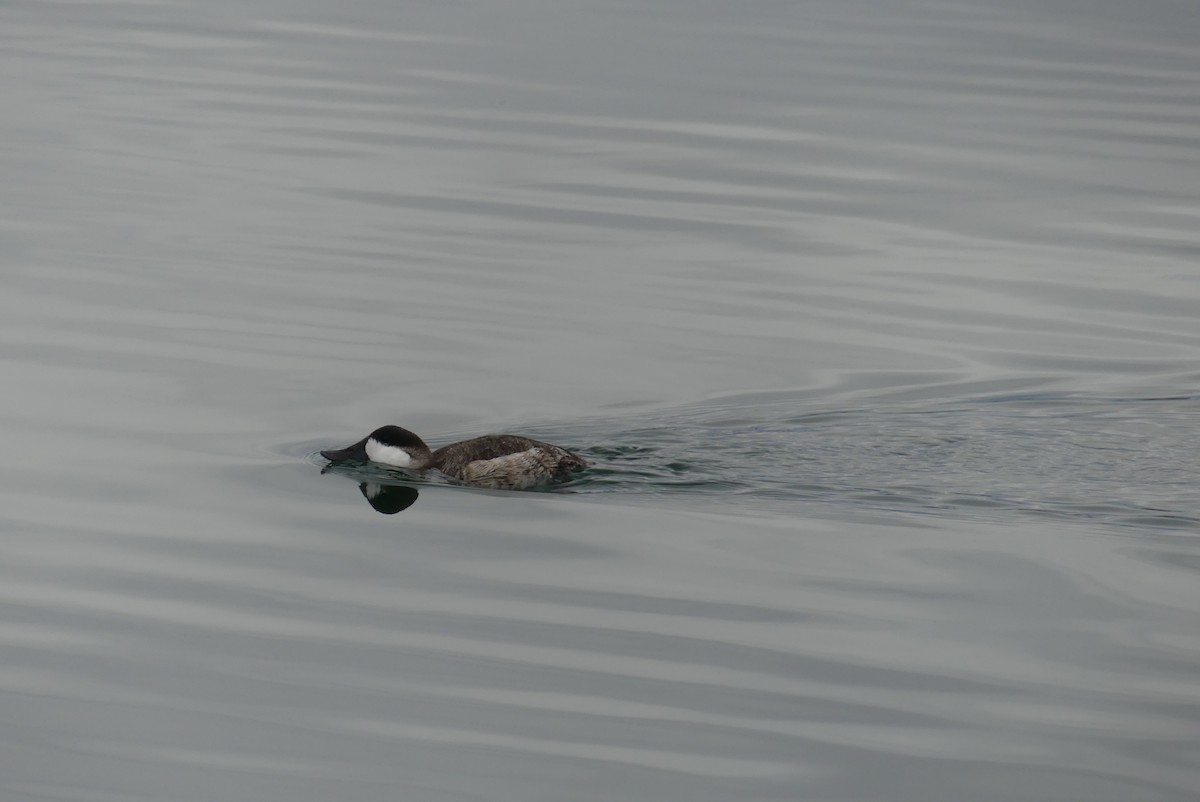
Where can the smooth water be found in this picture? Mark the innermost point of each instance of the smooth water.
(877, 321)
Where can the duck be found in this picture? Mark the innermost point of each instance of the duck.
(499, 461)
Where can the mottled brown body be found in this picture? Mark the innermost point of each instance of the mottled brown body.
(505, 461)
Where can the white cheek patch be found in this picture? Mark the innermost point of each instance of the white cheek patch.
(388, 455)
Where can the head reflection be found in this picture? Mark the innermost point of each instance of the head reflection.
(382, 492)
(388, 499)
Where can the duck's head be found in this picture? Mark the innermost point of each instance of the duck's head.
(388, 445)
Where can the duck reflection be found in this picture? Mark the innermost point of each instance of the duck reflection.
(388, 499)
(385, 494)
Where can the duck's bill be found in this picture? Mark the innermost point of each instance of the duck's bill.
(358, 451)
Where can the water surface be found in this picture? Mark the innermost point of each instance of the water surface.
(877, 320)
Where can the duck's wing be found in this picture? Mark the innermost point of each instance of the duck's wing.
(505, 460)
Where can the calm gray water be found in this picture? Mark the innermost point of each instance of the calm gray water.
(880, 322)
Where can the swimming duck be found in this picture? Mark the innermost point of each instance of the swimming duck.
(506, 461)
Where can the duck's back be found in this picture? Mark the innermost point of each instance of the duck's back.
(505, 461)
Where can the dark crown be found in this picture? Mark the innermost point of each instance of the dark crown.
(398, 436)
